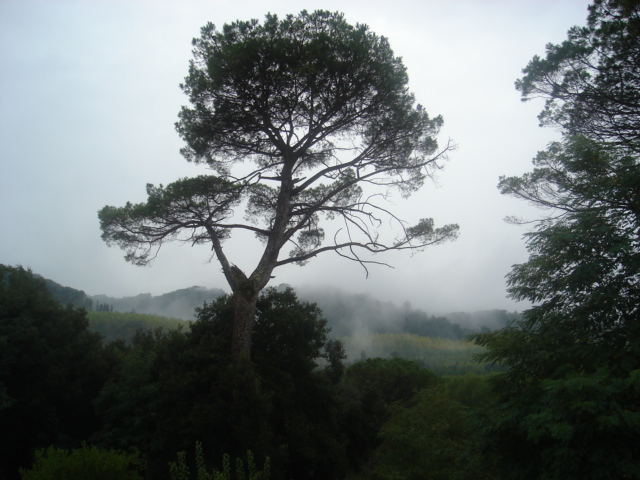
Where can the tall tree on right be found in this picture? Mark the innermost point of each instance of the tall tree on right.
(569, 405)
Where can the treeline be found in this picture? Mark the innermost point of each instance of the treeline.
(442, 356)
(296, 402)
(366, 327)
(348, 314)
(176, 304)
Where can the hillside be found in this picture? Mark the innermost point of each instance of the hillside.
(177, 304)
(348, 314)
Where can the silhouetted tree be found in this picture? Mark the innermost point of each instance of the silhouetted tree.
(175, 388)
(301, 118)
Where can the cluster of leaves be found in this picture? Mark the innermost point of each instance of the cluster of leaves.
(283, 405)
(591, 81)
(405, 422)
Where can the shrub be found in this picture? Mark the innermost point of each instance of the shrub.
(87, 462)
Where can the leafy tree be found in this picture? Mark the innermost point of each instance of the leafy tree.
(471, 389)
(290, 343)
(175, 388)
(51, 369)
(425, 439)
(568, 403)
(128, 402)
(591, 82)
(301, 118)
(68, 296)
(418, 323)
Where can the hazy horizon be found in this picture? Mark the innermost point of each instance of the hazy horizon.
(90, 95)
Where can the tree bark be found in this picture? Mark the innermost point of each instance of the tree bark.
(245, 299)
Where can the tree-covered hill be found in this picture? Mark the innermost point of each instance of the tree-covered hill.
(67, 295)
(177, 304)
(352, 314)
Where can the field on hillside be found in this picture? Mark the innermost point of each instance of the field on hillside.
(442, 356)
(114, 325)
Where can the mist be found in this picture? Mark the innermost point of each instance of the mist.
(90, 95)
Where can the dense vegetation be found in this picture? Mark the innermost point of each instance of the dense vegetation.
(296, 403)
(51, 369)
(564, 403)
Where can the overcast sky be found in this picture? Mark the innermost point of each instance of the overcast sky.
(89, 96)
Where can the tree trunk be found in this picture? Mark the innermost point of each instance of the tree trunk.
(244, 316)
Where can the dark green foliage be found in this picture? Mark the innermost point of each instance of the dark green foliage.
(51, 369)
(471, 390)
(369, 388)
(584, 263)
(418, 323)
(568, 403)
(390, 380)
(425, 439)
(591, 82)
(128, 401)
(335, 357)
(282, 406)
(83, 463)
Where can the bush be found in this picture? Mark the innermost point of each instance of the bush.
(85, 463)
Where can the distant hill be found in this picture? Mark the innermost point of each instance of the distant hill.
(351, 314)
(367, 326)
(177, 304)
(67, 295)
(348, 314)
